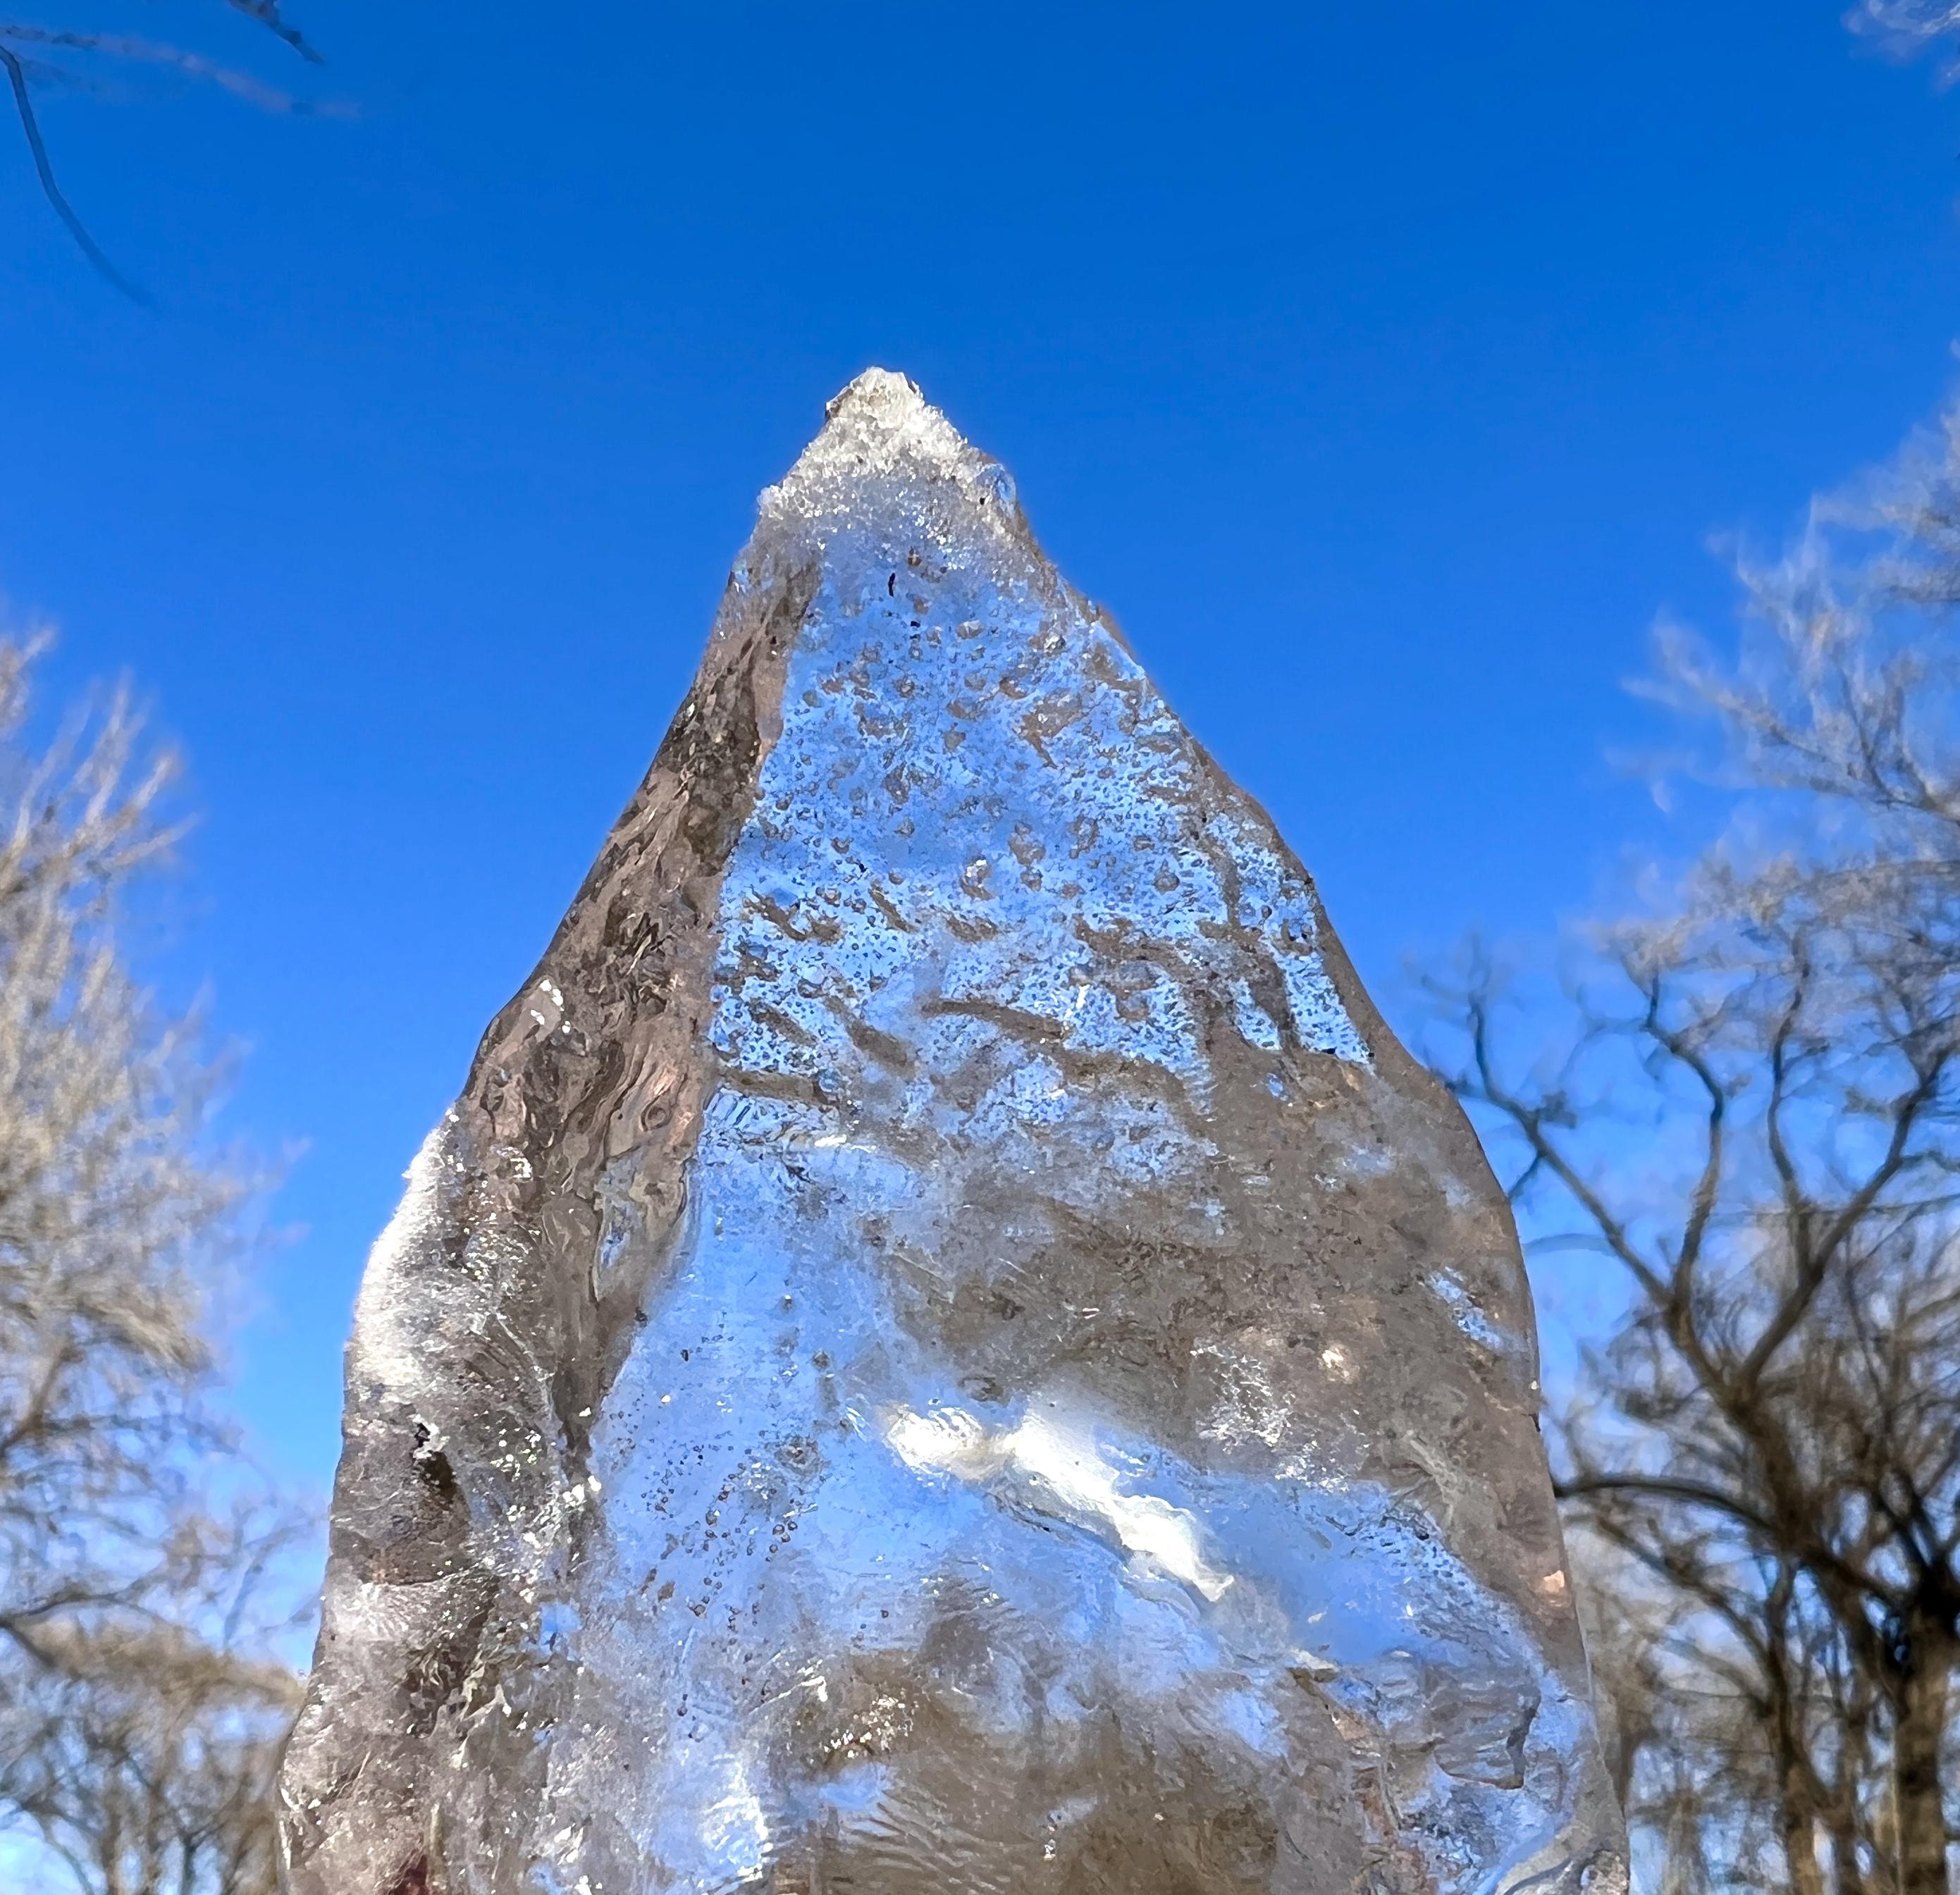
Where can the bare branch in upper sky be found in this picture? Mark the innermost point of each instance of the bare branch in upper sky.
(266, 12)
(17, 35)
(137, 51)
(44, 170)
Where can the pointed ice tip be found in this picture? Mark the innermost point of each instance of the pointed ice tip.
(882, 393)
(883, 445)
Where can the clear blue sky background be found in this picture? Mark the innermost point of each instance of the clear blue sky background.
(1383, 368)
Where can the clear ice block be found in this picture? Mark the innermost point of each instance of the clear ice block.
(943, 1347)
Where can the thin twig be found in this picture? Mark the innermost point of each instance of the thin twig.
(266, 12)
(23, 105)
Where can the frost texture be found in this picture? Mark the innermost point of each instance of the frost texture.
(944, 1346)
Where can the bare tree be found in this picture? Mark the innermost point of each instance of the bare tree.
(131, 1556)
(1751, 1114)
(32, 54)
(141, 1760)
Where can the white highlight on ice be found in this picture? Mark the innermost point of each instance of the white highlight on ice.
(950, 1441)
(735, 1832)
(383, 1348)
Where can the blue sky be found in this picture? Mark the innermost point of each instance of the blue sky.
(1384, 369)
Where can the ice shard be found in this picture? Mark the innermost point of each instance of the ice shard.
(943, 1348)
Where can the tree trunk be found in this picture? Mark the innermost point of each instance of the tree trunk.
(1847, 1874)
(1799, 1847)
(1797, 1812)
(1923, 1684)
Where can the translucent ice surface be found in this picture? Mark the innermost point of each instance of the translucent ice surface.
(943, 1348)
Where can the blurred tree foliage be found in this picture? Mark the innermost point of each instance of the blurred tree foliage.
(142, 1696)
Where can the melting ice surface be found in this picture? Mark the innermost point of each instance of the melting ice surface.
(943, 1350)
(804, 1510)
(873, 1590)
